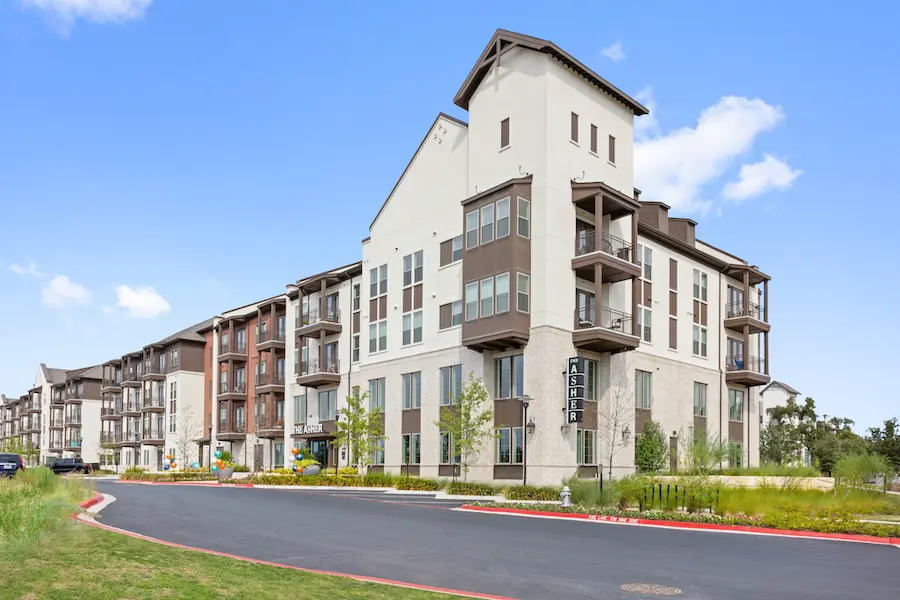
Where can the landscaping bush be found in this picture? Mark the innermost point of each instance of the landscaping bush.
(241, 469)
(36, 502)
(280, 471)
(857, 470)
(530, 492)
(464, 488)
(770, 470)
(651, 448)
(417, 484)
(348, 471)
(378, 480)
(136, 474)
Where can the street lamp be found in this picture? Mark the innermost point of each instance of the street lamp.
(209, 452)
(529, 428)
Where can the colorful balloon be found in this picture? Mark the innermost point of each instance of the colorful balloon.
(195, 465)
(294, 468)
(168, 457)
(215, 468)
(166, 467)
(220, 463)
(218, 454)
(174, 466)
(295, 451)
(299, 457)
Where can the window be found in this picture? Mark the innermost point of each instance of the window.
(355, 297)
(447, 447)
(487, 223)
(173, 390)
(593, 138)
(523, 210)
(328, 405)
(382, 280)
(411, 449)
(643, 389)
(279, 454)
(590, 379)
(472, 301)
(573, 134)
(612, 149)
(523, 292)
(645, 259)
(377, 337)
(451, 384)
(456, 246)
(735, 405)
(487, 297)
(699, 399)
(700, 334)
(504, 133)
(412, 328)
(456, 313)
(502, 291)
(645, 324)
(171, 424)
(412, 390)
(174, 358)
(355, 342)
(509, 377)
(735, 454)
(378, 452)
(376, 395)
(300, 412)
(586, 442)
(412, 268)
(502, 218)
(700, 285)
(471, 229)
(509, 446)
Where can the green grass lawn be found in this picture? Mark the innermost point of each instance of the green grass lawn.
(79, 561)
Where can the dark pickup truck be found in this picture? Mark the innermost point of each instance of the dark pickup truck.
(64, 466)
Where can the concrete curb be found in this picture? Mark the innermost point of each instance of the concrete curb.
(98, 498)
(813, 535)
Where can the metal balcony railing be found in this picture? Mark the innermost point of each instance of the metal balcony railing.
(269, 379)
(739, 362)
(232, 428)
(588, 241)
(265, 336)
(237, 388)
(153, 402)
(743, 309)
(73, 419)
(311, 367)
(605, 317)
(131, 436)
(233, 348)
(316, 316)
(110, 437)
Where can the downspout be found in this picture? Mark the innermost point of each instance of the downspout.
(721, 373)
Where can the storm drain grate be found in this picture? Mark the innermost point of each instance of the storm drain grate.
(650, 589)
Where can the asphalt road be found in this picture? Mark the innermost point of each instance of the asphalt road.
(420, 540)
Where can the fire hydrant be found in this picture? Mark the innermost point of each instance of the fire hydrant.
(565, 497)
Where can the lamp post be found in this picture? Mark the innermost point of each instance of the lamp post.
(525, 402)
(209, 451)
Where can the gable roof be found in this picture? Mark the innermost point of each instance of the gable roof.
(503, 41)
(53, 375)
(189, 334)
(783, 386)
(415, 154)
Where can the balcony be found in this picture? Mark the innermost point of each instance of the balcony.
(746, 370)
(237, 391)
(73, 420)
(268, 340)
(110, 437)
(231, 431)
(57, 397)
(266, 382)
(111, 412)
(153, 404)
(314, 375)
(132, 378)
(56, 422)
(130, 407)
(110, 385)
(270, 427)
(603, 330)
(130, 438)
(74, 397)
(313, 323)
(609, 252)
(32, 426)
(155, 436)
(33, 406)
(73, 445)
(741, 314)
(233, 351)
(56, 444)
(154, 372)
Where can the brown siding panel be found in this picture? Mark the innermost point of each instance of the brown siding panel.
(699, 425)
(507, 471)
(373, 309)
(445, 316)
(696, 311)
(735, 431)
(190, 357)
(507, 413)
(574, 131)
(411, 421)
(504, 133)
(588, 472)
(417, 297)
(407, 300)
(356, 322)
(641, 416)
(704, 314)
(382, 307)
(446, 252)
(648, 294)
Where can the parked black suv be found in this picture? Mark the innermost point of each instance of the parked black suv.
(63, 466)
(10, 464)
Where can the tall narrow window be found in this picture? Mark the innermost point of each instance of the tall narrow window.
(509, 377)
(523, 210)
(412, 390)
(502, 218)
(504, 133)
(451, 384)
(612, 149)
(456, 248)
(300, 412)
(378, 286)
(699, 399)
(413, 273)
(487, 297)
(471, 229)
(586, 442)
(487, 223)
(523, 292)
(472, 301)
(700, 312)
(593, 138)
(643, 389)
(573, 134)
(502, 293)
(376, 395)
(735, 405)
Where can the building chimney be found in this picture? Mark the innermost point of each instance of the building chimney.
(683, 230)
(655, 215)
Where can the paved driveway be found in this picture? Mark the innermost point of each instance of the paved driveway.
(414, 539)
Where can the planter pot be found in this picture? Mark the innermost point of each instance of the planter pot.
(312, 470)
(225, 473)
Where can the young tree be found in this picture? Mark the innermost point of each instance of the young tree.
(619, 414)
(468, 421)
(187, 431)
(651, 448)
(776, 444)
(702, 452)
(886, 442)
(358, 429)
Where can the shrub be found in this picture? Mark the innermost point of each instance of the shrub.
(280, 471)
(465, 488)
(651, 448)
(378, 480)
(348, 471)
(530, 492)
(857, 470)
(241, 469)
(415, 483)
(771, 470)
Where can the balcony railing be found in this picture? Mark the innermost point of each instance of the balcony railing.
(587, 241)
(738, 362)
(153, 434)
(270, 422)
(312, 366)
(269, 379)
(106, 411)
(154, 369)
(232, 428)
(237, 388)
(73, 443)
(265, 336)
(316, 316)
(56, 422)
(75, 395)
(743, 309)
(112, 382)
(110, 437)
(153, 402)
(605, 317)
(74, 419)
(233, 348)
(131, 437)
(130, 406)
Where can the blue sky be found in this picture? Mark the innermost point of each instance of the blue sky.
(162, 161)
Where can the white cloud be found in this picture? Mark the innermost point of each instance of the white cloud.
(647, 124)
(140, 302)
(61, 293)
(30, 270)
(674, 168)
(757, 178)
(614, 53)
(98, 11)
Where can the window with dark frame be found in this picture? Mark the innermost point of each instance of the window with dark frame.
(612, 149)
(573, 134)
(593, 138)
(504, 133)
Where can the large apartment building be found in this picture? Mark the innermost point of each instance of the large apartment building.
(511, 244)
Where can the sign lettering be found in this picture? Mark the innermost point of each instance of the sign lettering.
(575, 388)
(304, 429)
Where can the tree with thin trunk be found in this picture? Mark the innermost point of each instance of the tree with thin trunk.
(358, 429)
(468, 421)
(619, 414)
(187, 433)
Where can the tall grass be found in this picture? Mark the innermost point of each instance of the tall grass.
(770, 470)
(35, 502)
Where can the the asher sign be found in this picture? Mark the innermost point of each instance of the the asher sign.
(575, 390)
(304, 429)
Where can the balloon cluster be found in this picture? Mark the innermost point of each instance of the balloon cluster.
(219, 464)
(170, 463)
(297, 456)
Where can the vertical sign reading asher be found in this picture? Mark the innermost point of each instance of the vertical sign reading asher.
(575, 390)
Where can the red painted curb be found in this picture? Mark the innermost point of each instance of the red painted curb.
(206, 483)
(97, 498)
(361, 578)
(845, 537)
